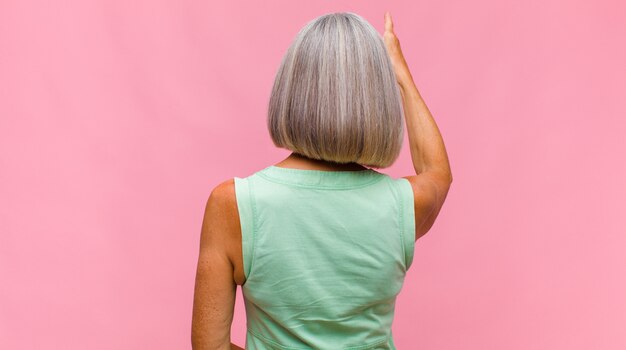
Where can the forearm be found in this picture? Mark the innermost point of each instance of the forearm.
(428, 151)
(235, 347)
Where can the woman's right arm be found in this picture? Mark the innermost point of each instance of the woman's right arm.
(430, 159)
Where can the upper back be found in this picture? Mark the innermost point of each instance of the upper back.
(325, 254)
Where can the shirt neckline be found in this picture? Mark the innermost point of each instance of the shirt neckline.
(320, 178)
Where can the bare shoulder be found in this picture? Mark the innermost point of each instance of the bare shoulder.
(221, 221)
(224, 191)
(429, 191)
(221, 208)
(221, 201)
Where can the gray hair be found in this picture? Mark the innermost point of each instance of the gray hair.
(335, 96)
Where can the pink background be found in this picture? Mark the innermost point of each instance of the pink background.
(117, 119)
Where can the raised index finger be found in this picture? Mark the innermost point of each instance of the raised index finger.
(388, 22)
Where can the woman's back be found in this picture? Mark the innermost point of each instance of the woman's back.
(325, 254)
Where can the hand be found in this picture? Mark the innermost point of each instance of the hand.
(400, 67)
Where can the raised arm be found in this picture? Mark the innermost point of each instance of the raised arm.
(428, 153)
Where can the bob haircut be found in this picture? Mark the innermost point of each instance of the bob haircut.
(335, 96)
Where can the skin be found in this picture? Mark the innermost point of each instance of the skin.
(433, 175)
(220, 261)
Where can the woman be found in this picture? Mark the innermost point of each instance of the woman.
(320, 242)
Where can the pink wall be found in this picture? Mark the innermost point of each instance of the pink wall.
(117, 118)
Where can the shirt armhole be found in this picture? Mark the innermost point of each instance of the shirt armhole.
(244, 207)
(407, 221)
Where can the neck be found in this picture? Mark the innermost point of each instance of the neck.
(302, 162)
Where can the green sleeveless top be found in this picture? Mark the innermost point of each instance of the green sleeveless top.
(325, 254)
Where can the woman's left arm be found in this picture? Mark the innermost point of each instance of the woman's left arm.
(215, 288)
